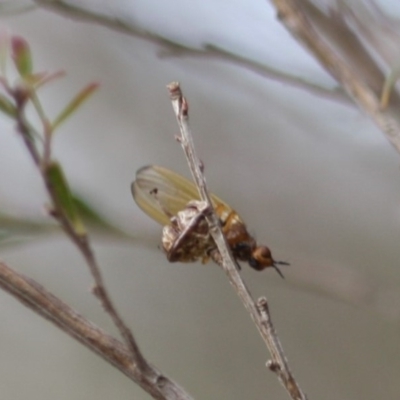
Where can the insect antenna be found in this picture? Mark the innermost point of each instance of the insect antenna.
(275, 266)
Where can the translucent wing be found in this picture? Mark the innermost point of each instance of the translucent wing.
(173, 192)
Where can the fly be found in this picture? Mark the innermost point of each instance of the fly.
(173, 201)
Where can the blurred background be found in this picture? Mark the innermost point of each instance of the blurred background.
(311, 175)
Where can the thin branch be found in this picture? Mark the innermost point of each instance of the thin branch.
(128, 359)
(81, 241)
(80, 12)
(34, 296)
(38, 299)
(295, 20)
(260, 315)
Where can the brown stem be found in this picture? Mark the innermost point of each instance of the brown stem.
(81, 12)
(226, 260)
(141, 369)
(296, 21)
(81, 241)
(38, 299)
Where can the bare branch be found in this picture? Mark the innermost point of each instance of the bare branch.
(33, 295)
(81, 12)
(38, 299)
(295, 20)
(80, 240)
(259, 315)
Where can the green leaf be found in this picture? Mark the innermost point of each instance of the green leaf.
(7, 107)
(388, 85)
(4, 47)
(17, 230)
(37, 80)
(74, 104)
(21, 55)
(63, 196)
(94, 219)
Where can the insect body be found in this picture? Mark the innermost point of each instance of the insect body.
(173, 201)
(187, 238)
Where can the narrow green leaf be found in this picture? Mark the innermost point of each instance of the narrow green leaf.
(40, 79)
(63, 196)
(93, 219)
(7, 107)
(21, 55)
(74, 104)
(35, 78)
(4, 46)
(87, 212)
(16, 230)
(388, 85)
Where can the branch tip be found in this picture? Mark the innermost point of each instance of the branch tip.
(223, 256)
(174, 90)
(262, 305)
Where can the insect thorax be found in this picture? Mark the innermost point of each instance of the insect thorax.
(187, 237)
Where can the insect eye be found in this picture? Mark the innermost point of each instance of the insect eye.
(262, 258)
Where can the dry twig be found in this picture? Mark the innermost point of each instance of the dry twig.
(128, 358)
(259, 313)
(38, 299)
(80, 239)
(93, 14)
(295, 20)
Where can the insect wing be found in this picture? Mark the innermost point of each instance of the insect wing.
(161, 193)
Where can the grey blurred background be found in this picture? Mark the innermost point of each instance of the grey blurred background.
(311, 175)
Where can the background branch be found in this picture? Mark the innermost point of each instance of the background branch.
(14, 99)
(295, 19)
(42, 302)
(77, 235)
(80, 12)
(260, 314)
